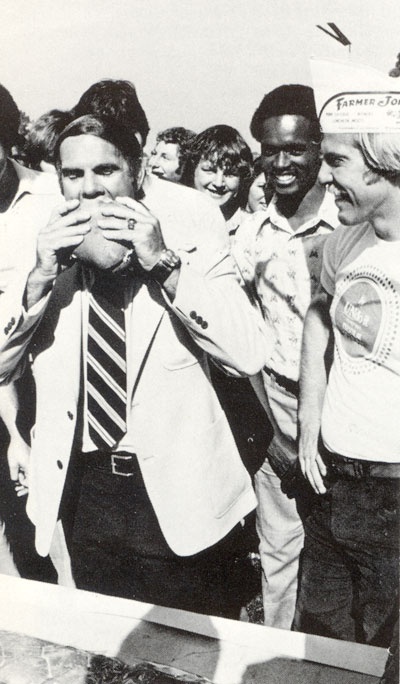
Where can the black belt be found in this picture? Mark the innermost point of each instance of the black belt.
(121, 463)
(353, 467)
(289, 385)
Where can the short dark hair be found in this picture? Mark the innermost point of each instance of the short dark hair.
(9, 119)
(182, 137)
(116, 99)
(225, 147)
(42, 137)
(258, 167)
(119, 136)
(286, 99)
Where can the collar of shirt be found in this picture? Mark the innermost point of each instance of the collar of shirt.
(326, 215)
(33, 182)
(233, 223)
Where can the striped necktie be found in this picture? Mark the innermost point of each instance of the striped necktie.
(106, 362)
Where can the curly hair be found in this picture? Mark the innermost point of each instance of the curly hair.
(225, 147)
(182, 138)
(287, 99)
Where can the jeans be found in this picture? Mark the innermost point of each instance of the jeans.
(349, 577)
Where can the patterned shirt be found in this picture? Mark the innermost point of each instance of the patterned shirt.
(282, 267)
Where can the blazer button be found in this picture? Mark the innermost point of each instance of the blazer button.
(70, 415)
(60, 465)
(199, 320)
(204, 325)
(12, 321)
(193, 314)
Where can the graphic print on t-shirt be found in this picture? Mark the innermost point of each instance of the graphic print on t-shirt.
(358, 317)
(366, 316)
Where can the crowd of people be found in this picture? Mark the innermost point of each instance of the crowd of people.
(196, 333)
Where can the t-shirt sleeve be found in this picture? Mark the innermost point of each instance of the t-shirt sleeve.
(330, 261)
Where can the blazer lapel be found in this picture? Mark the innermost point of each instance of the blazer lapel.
(57, 343)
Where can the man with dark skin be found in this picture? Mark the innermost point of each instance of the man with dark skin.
(279, 256)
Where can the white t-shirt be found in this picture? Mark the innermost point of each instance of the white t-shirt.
(361, 412)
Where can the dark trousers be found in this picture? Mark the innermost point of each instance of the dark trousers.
(350, 563)
(118, 549)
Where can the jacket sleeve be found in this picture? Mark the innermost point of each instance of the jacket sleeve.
(17, 327)
(213, 307)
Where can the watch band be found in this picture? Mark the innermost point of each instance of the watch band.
(168, 262)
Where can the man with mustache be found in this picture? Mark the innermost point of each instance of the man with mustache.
(279, 254)
(124, 400)
(350, 393)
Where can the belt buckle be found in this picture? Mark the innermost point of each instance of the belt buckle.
(114, 464)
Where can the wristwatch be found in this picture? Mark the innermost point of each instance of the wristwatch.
(168, 262)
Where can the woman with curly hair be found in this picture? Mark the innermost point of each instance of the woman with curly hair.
(168, 158)
(220, 165)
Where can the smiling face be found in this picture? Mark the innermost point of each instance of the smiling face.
(164, 161)
(290, 156)
(221, 184)
(257, 199)
(360, 194)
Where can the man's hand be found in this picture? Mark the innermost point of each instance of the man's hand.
(145, 232)
(316, 359)
(64, 231)
(18, 455)
(311, 463)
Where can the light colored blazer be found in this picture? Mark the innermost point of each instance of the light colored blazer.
(190, 464)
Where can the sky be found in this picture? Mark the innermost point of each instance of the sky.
(195, 63)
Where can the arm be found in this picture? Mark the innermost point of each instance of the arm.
(18, 449)
(316, 360)
(25, 300)
(204, 292)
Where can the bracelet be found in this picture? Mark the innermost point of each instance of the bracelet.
(168, 262)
